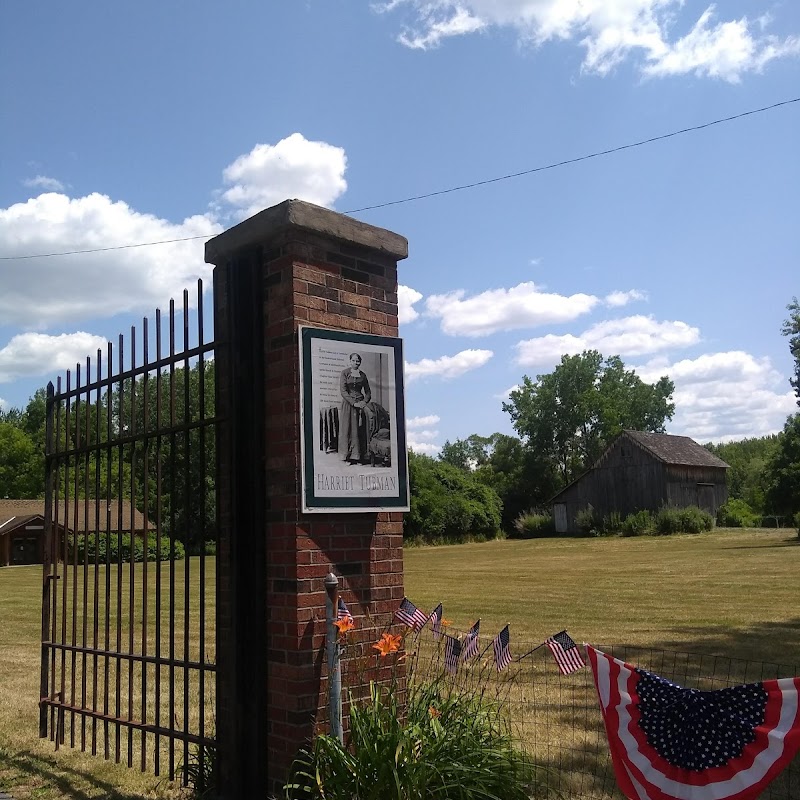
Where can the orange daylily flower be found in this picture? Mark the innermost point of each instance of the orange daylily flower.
(444, 622)
(434, 712)
(388, 644)
(345, 624)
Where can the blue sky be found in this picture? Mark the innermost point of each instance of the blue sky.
(130, 123)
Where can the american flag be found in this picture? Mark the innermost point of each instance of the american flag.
(436, 621)
(502, 649)
(471, 642)
(565, 652)
(672, 743)
(452, 652)
(343, 612)
(410, 615)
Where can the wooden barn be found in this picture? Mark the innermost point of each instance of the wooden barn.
(644, 471)
(22, 526)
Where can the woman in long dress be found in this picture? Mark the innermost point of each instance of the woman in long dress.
(355, 415)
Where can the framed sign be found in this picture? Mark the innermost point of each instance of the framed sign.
(352, 418)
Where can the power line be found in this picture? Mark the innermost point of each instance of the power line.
(452, 189)
(105, 249)
(577, 159)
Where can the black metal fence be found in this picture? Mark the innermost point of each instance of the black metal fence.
(128, 646)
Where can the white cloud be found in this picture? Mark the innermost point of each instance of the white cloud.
(30, 354)
(422, 422)
(522, 306)
(38, 292)
(610, 31)
(436, 28)
(406, 297)
(43, 182)
(617, 299)
(447, 367)
(294, 168)
(628, 336)
(424, 448)
(725, 396)
(507, 393)
(726, 50)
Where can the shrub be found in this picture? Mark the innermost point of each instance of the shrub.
(586, 520)
(533, 525)
(114, 547)
(736, 514)
(637, 524)
(612, 523)
(447, 744)
(448, 504)
(695, 520)
(667, 521)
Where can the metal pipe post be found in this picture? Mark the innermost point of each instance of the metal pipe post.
(334, 667)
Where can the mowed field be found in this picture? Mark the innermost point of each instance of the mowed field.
(734, 593)
(730, 592)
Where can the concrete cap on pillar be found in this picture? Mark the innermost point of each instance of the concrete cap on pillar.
(305, 216)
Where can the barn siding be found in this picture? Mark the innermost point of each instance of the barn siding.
(628, 478)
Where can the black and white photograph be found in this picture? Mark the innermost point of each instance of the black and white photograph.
(353, 422)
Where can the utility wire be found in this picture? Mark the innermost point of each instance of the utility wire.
(452, 189)
(577, 159)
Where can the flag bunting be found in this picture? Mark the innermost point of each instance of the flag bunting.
(672, 743)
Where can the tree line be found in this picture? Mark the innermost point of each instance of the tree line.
(476, 487)
(565, 419)
(147, 443)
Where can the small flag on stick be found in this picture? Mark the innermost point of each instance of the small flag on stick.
(471, 642)
(343, 612)
(436, 621)
(566, 653)
(502, 649)
(452, 652)
(410, 615)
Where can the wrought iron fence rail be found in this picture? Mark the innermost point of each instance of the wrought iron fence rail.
(125, 641)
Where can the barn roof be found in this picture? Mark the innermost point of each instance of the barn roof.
(678, 450)
(21, 510)
(675, 449)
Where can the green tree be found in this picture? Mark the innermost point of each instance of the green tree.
(520, 477)
(468, 453)
(448, 503)
(747, 477)
(567, 417)
(783, 471)
(791, 328)
(19, 464)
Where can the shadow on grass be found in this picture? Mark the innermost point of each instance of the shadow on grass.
(66, 781)
(792, 541)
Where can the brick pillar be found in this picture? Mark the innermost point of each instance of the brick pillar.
(290, 265)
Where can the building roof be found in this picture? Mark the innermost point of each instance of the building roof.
(13, 512)
(679, 450)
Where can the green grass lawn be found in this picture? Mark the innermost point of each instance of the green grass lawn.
(729, 592)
